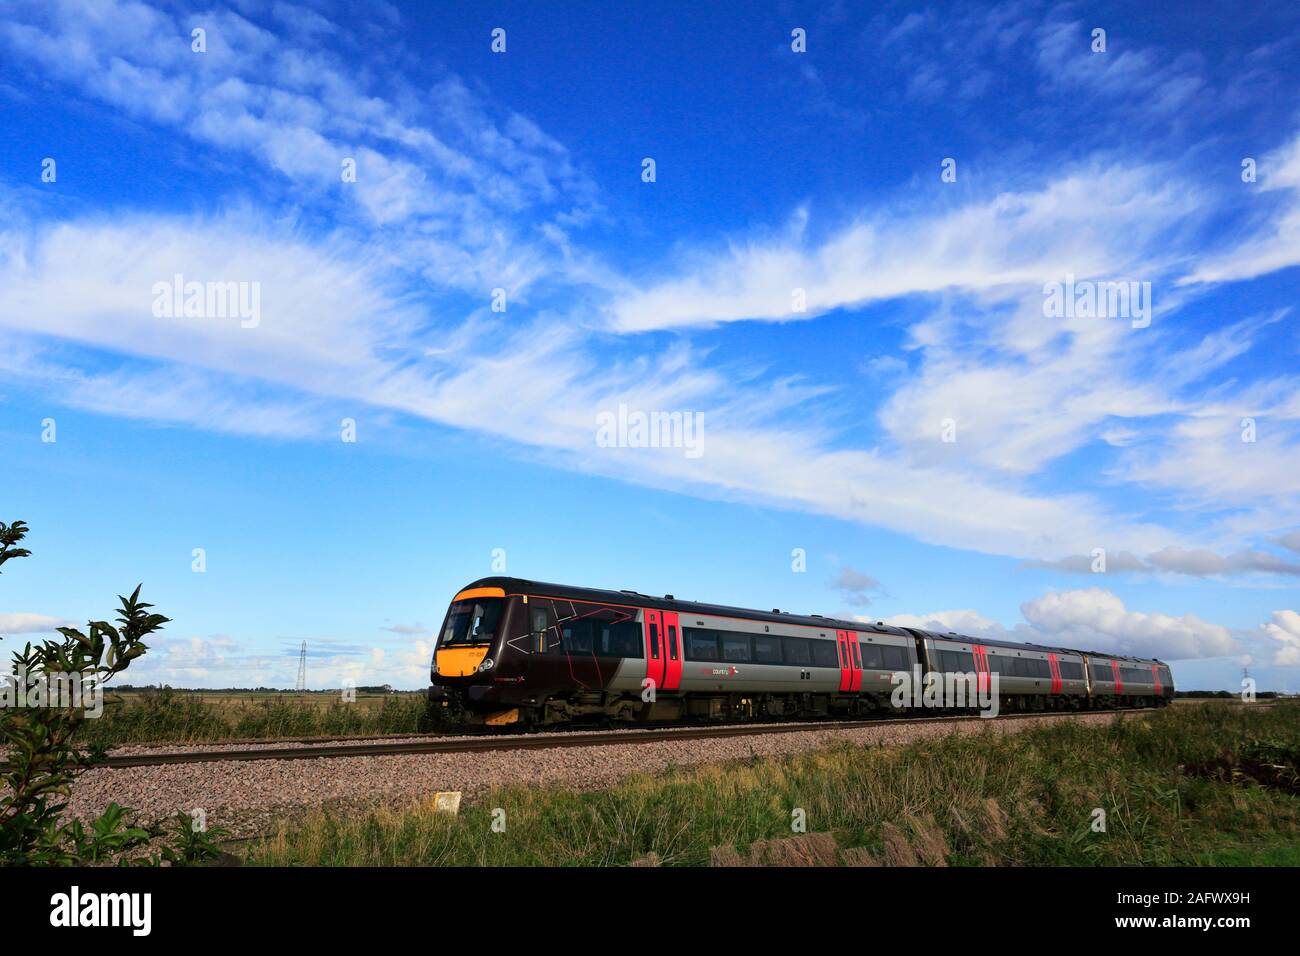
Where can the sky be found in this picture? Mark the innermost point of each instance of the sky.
(311, 314)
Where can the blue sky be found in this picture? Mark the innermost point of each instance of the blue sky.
(779, 176)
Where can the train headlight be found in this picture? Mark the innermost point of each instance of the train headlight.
(486, 665)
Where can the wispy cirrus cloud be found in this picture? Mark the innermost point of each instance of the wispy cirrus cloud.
(384, 304)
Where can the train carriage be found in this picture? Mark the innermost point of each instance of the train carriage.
(517, 651)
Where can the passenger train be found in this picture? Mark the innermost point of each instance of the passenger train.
(513, 651)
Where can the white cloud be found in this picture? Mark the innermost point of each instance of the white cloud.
(1158, 84)
(1090, 619)
(1095, 619)
(222, 661)
(436, 168)
(1285, 629)
(1273, 243)
(442, 188)
(1195, 562)
(1095, 221)
(967, 622)
(24, 622)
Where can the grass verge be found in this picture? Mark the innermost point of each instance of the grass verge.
(1187, 785)
(180, 717)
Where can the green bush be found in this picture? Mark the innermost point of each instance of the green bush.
(43, 763)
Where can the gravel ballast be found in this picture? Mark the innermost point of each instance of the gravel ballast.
(243, 796)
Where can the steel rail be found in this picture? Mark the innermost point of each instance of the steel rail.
(539, 741)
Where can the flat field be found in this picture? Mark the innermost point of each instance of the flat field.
(183, 716)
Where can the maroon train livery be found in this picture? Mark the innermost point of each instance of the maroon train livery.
(515, 651)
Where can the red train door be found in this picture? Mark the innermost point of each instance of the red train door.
(981, 655)
(1155, 676)
(1055, 666)
(654, 647)
(663, 649)
(672, 651)
(850, 664)
(1119, 684)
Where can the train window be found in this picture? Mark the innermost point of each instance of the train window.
(823, 654)
(957, 662)
(767, 649)
(621, 639)
(654, 641)
(797, 650)
(872, 658)
(857, 654)
(672, 642)
(701, 645)
(1070, 670)
(735, 648)
(891, 658)
(471, 622)
(539, 630)
(576, 637)
(1042, 667)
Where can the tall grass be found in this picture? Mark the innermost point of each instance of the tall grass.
(171, 716)
(1175, 786)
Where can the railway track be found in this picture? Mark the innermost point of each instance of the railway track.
(536, 741)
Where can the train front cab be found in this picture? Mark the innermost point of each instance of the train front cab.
(467, 668)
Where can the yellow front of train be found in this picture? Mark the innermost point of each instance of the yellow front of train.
(468, 632)
(467, 670)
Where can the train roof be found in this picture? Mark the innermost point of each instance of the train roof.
(670, 603)
(989, 642)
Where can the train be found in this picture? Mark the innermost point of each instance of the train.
(528, 653)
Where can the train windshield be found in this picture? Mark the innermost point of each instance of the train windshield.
(472, 622)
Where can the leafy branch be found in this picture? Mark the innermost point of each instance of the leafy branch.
(42, 761)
